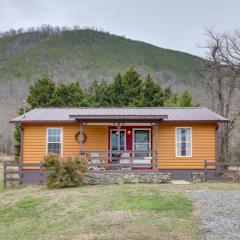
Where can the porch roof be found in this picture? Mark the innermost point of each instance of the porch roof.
(141, 114)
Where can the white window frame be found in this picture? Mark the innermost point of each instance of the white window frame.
(125, 138)
(176, 142)
(60, 138)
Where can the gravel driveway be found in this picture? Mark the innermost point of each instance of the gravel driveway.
(219, 213)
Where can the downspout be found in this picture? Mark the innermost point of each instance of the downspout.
(156, 144)
(217, 143)
(21, 143)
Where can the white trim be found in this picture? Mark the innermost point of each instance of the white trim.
(61, 139)
(125, 138)
(176, 153)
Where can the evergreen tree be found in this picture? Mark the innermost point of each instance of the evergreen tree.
(101, 94)
(117, 89)
(70, 95)
(41, 92)
(152, 93)
(185, 100)
(132, 88)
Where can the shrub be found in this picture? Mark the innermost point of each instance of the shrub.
(64, 172)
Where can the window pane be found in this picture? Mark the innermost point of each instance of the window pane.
(141, 147)
(183, 152)
(188, 145)
(183, 145)
(141, 136)
(58, 131)
(179, 152)
(114, 142)
(50, 138)
(54, 147)
(58, 138)
(189, 152)
(188, 136)
(50, 131)
(183, 142)
(54, 140)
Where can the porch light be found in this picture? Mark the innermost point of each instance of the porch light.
(129, 132)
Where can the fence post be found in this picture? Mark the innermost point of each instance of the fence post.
(4, 175)
(205, 169)
(41, 173)
(20, 173)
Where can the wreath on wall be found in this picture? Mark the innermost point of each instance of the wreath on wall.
(77, 137)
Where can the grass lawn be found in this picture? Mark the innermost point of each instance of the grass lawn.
(96, 212)
(101, 212)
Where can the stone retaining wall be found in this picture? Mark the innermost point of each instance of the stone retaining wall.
(120, 178)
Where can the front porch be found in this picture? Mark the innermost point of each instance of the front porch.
(132, 144)
(119, 161)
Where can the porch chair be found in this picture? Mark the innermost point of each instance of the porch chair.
(95, 159)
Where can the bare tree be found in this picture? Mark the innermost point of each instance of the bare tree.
(223, 53)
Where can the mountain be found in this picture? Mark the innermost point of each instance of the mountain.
(84, 55)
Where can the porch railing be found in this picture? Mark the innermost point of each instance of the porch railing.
(121, 160)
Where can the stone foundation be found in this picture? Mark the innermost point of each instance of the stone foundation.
(120, 178)
(198, 177)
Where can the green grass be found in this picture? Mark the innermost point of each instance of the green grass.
(176, 204)
(96, 212)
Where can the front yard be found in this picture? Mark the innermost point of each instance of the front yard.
(96, 212)
(153, 211)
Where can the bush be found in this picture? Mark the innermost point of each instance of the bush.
(64, 172)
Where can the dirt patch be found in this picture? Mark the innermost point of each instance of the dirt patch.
(115, 217)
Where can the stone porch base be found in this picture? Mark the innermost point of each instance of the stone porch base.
(120, 178)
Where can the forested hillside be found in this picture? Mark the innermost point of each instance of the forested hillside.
(84, 55)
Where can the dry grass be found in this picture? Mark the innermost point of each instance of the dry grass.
(102, 212)
(96, 212)
(208, 186)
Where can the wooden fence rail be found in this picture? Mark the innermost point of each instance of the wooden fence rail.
(15, 172)
(21, 172)
(221, 170)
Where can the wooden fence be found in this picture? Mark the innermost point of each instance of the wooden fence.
(222, 171)
(23, 173)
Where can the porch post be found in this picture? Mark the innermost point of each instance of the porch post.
(118, 142)
(156, 144)
(81, 137)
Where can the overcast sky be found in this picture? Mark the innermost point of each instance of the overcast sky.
(173, 24)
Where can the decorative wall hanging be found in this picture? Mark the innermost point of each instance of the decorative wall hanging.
(77, 137)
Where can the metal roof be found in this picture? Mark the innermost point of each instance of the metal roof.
(135, 113)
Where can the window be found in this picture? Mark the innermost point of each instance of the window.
(114, 140)
(142, 142)
(184, 142)
(54, 140)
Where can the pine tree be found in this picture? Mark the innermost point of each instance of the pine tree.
(185, 100)
(41, 93)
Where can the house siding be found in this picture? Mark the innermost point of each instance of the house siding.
(34, 140)
(203, 143)
(203, 146)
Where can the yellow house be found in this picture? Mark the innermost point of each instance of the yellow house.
(176, 140)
